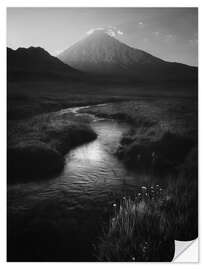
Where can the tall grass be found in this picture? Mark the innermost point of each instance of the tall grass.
(182, 203)
(144, 227)
(138, 230)
(160, 156)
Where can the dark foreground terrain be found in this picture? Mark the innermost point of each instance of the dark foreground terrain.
(158, 151)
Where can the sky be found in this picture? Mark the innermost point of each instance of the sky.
(168, 33)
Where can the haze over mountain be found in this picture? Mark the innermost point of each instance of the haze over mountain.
(35, 63)
(102, 54)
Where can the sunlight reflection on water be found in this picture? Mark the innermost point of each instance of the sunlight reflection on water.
(91, 152)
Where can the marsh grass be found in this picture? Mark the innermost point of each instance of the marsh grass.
(143, 227)
(33, 159)
(161, 156)
(138, 230)
(27, 99)
(182, 203)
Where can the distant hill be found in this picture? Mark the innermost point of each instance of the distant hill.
(35, 63)
(102, 54)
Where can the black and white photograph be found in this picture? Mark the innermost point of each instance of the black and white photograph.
(102, 133)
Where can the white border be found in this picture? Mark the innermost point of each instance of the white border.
(104, 3)
(77, 3)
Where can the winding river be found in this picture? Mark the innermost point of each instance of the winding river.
(91, 172)
(76, 201)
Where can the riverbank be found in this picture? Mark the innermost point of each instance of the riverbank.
(162, 131)
(36, 146)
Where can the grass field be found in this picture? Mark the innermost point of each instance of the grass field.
(32, 98)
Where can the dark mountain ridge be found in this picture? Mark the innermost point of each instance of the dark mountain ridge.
(34, 63)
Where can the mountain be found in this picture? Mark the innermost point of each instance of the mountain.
(35, 63)
(102, 54)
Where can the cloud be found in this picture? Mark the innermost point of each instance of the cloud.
(112, 31)
(59, 51)
(89, 32)
(119, 32)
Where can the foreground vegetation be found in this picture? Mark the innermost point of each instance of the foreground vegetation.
(144, 227)
(138, 232)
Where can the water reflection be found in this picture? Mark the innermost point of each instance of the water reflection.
(92, 152)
